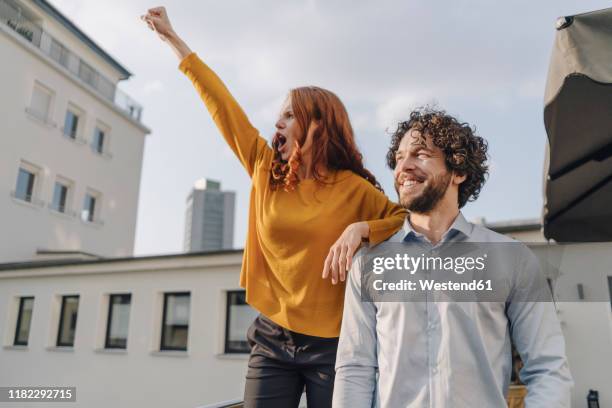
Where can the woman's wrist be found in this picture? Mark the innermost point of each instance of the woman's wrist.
(178, 45)
(363, 228)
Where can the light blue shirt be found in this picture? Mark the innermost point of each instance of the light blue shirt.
(447, 354)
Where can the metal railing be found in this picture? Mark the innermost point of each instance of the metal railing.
(13, 17)
(237, 403)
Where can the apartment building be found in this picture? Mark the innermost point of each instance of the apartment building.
(71, 142)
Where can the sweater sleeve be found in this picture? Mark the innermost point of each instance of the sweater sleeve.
(244, 140)
(384, 217)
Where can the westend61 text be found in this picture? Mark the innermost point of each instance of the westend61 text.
(429, 285)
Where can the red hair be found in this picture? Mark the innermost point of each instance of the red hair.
(333, 141)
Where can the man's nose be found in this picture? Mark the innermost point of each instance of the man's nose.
(405, 163)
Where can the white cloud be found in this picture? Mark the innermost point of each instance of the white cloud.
(154, 86)
(398, 108)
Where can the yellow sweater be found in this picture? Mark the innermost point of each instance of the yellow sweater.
(290, 233)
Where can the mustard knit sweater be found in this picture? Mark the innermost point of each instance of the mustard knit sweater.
(290, 233)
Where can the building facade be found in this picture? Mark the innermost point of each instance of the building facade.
(209, 217)
(119, 328)
(71, 142)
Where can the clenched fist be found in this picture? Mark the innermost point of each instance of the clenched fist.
(157, 20)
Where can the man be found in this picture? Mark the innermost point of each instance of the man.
(440, 354)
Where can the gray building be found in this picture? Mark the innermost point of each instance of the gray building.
(209, 219)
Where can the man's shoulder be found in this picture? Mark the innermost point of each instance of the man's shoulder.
(361, 253)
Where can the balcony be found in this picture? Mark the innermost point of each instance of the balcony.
(17, 19)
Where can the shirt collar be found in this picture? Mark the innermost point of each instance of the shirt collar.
(459, 226)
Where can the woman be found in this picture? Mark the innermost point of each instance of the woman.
(306, 190)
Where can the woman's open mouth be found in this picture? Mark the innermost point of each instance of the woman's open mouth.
(279, 141)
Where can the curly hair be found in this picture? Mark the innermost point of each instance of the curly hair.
(464, 151)
(285, 173)
(333, 144)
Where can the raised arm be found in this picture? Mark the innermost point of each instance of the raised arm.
(244, 140)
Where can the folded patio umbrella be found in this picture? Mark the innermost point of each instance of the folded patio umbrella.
(578, 121)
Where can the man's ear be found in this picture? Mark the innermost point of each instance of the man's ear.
(458, 178)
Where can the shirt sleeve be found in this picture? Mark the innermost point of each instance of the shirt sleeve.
(244, 140)
(538, 338)
(356, 361)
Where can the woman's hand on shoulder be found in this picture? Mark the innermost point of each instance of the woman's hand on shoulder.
(340, 257)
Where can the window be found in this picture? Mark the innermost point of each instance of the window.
(87, 74)
(59, 53)
(580, 288)
(60, 196)
(89, 207)
(239, 316)
(25, 185)
(98, 140)
(24, 318)
(74, 117)
(175, 321)
(101, 138)
(40, 105)
(106, 88)
(118, 321)
(68, 320)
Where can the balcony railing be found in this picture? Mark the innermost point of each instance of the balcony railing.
(237, 403)
(13, 17)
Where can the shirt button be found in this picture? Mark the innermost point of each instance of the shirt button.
(434, 370)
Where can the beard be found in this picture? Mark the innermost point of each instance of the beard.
(430, 196)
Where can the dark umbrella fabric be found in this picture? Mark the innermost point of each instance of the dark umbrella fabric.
(578, 121)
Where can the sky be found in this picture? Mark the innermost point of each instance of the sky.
(484, 62)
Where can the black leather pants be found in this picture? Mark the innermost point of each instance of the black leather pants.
(283, 364)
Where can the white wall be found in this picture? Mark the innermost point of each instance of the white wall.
(587, 323)
(26, 227)
(138, 377)
(528, 236)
